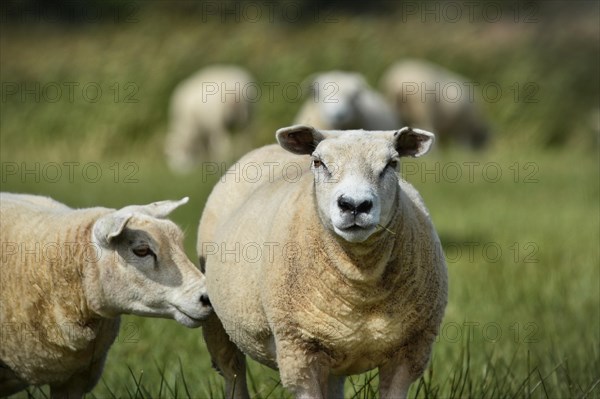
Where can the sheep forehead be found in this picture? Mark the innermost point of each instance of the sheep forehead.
(368, 150)
(163, 231)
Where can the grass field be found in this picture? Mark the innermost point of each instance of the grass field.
(520, 222)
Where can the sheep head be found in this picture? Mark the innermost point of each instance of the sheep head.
(337, 93)
(355, 173)
(142, 268)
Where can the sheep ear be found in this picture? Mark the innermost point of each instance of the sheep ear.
(413, 142)
(299, 139)
(110, 226)
(162, 209)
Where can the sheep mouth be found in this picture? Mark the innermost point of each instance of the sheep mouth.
(355, 228)
(352, 228)
(183, 317)
(355, 232)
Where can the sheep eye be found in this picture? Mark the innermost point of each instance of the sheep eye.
(317, 163)
(392, 163)
(143, 251)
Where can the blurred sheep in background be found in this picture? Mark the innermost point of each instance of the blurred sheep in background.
(205, 110)
(430, 97)
(344, 100)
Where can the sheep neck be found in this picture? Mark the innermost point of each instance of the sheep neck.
(66, 288)
(93, 289)
(364, 263)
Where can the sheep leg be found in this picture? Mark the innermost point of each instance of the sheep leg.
(405, 367)
(226, 358)
(394, 381)
(9, 382)
(73, 388)
(66, 391)
(335, 386)
(221, 145)
(300, 371)
(79, 383)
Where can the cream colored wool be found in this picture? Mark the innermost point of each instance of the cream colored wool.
(205, 110)
(431, 97)
(66, 275)
(315, 304)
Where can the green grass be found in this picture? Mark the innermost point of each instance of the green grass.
(522, 322)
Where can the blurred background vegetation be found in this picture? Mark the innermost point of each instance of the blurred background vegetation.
(523, 324)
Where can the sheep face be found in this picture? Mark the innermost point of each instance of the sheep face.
(356, 181)
(143, 269)
(337, 94)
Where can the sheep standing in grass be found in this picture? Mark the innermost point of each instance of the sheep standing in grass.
(434, 98)
(351, 274)
(67, 275)
(344, 100)
(205, 110)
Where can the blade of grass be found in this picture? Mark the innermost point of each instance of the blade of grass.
(594, 385)
(137, 382)
(185, 385)
(110, 391)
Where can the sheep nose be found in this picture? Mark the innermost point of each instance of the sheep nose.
(351, 206)
(204, 300)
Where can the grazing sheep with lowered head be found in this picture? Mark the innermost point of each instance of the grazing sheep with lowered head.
(344, 100)
(67, 275)
(323, 274)
(434, 98)
(205, 110)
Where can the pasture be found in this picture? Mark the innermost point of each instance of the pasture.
(84, 115)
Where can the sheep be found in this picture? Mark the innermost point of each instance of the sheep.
(323, 274)
(68, 274)
(205, 110)
(344, 100)
(434, 98)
